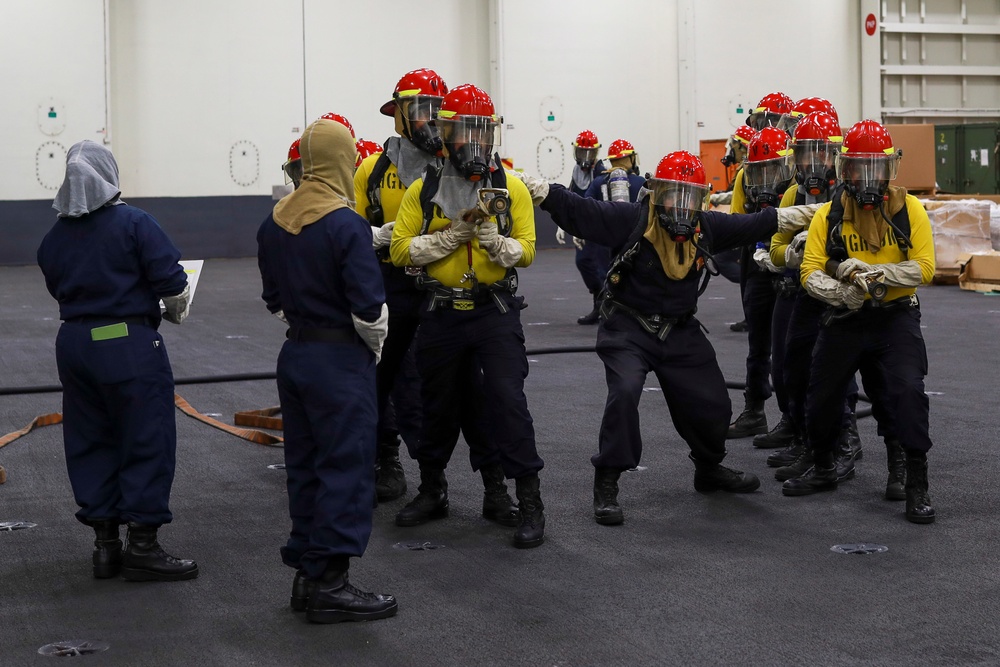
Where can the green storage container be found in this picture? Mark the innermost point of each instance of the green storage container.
(946, 160)
(980, 172)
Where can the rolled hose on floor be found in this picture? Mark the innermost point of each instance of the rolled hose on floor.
(263, 418)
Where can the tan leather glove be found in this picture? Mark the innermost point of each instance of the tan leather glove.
(833, 292)
(537, 188)
(849, 266)
(428, 248)
(502, 250)
(763, 259)
(795, 250)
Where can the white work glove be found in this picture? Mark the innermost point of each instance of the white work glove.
(428, 248)
(537, 188)
(720, 198)
(464, 228)
(502, 250)
(489, 236)
(795, 250)
(579, 243)
(381, 236)
(794, 218)
(177, 306)
(280, 314)
(903, 274)
(849, 266)
(560, 236)
(763, 258)
(373, 333)
(833, 292)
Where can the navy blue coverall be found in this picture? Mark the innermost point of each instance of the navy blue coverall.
(685, 362)
(326, 382)
(109, 268)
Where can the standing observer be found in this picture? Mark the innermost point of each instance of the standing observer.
(321, 277)
(108, 265)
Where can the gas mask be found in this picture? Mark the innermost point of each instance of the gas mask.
(469, 142)
(867, 177)
(677, 206)
(418, 113)
(814, 170)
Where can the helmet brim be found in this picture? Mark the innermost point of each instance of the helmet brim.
(388, 109)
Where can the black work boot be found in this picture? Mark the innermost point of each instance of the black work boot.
(918, 501)
(709, 477)
(334, 600)
(145, 560)
(301, 588)
(752, 421)
(107, 549)
(531, 531)
(497, 503)
(607, 511)
(844, 461)
(850, 435)
(781, 435)
(431, 501)
(740, 326)
(594, 316)
(786, 456)
(895, 460)
(798, 467)
(816, 479)
(390, 480)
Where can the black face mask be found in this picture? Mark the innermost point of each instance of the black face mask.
(869, 198)
(679, 229)
(764, 197)
(471, 159)
(815, 184)
(427, 139)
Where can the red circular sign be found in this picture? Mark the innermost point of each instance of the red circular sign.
(870, 24)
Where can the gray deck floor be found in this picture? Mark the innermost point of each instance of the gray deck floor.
(687, 580)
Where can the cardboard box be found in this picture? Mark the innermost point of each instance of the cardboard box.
(980, 272)
(960, 228)
(917, 166)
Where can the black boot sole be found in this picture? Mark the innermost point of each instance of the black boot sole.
(807, 491)
(610, 520)
(504, 519)
(708, 487)
(409, 522)
(921, 519)
(328, 616)
(136, 574)
(107, 572)
(529, 544)
(736, 435)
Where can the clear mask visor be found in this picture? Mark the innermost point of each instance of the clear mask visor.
(585, 157)
(867, 171)
(478, 135)
(768, 173)
(812, 157)
(678, 199)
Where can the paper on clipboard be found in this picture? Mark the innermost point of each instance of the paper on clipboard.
(192, 268)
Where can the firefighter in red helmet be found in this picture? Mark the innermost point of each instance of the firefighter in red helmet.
(661, 246)
(379, 185)
(464, 227)
(871, 230)
(292, 167)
